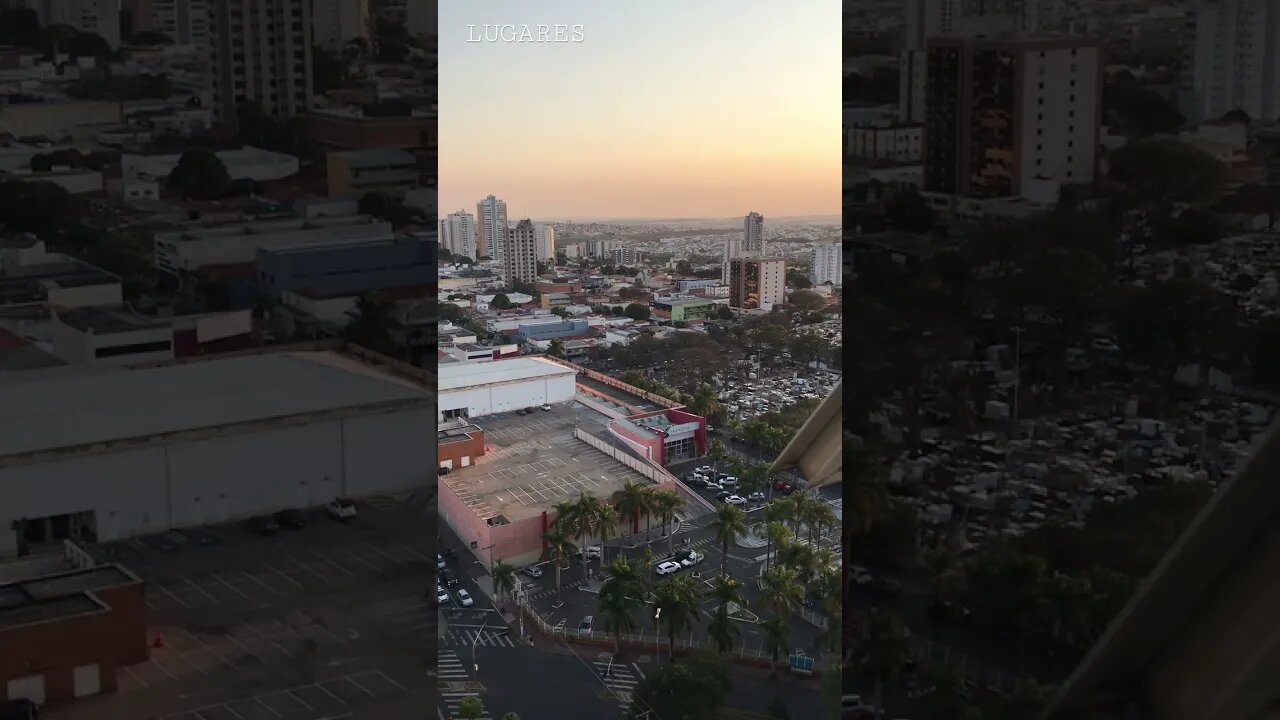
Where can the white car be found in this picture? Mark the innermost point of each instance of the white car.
(736, 500)
(694, 558)
(341, 509)
(668, 567)
(464, 598)
(705, 469)
(591, 552)
(442, 595)
(439, 561)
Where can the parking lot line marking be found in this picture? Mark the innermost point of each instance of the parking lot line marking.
(244, 647)
(202, 717)
(260, 582)
(228, 585)
(183, 657)
(300, 701)
(367, 691)
(277, 571)
(206, 647)
(282, 649)
(169, 593)
(233, 711)
(135, 676)
(199, 589)
(419, 555)
(265, 705)
(358, 559)
(308, 568)
(320, 686)
(164, 669)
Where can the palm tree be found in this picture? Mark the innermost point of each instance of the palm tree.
(582, 523)
(647, 569)
(704, 401)
(884, 652)
(724, 590)
(564, 511)
(941, 564)
(799, 511)
(774, 514)
(665, 504)
(801, 560)
(822, 516)
(619, 598)
(648, 508)
(776, 631)
(864, 493)
(511, 716)
(716, 453)
(729, 525)
(782, 590)
(756, 477)
(560, 548)
(632, 500)
(504, 578)
(605, 523)
(678, 599)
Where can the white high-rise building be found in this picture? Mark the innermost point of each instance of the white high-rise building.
(261, 52)
(491, 227)
(337, 22)
(100, 17)
(750, 245)
(941, 18)
(458, 233)
(757, 283)
(186, 22)
(520, 263)
(825, 264)
(546, 242)
(1234, 60)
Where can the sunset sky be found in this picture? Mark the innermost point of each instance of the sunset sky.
(667, 109)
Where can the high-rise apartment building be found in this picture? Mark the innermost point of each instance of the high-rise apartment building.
(757, 283)
(1003, 113)
(546, 242)
(926, 19)
(825, 264)
(1233, 59)
(602, 249)
(491, 227)
(337, 22)
(750, 245)
(186, 22)
(261, 53)
(520, 263)
(625, 256)
(458, 233)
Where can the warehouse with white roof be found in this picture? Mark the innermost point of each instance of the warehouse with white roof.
(110, 454)
(470, 390)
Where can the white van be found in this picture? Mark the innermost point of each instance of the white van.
(730, 482)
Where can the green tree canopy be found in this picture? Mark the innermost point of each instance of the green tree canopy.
(501, 302)
(200, 174)
(636, 311)
(807, 300)
(693, 689)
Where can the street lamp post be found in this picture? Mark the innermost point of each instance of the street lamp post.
(657, 640)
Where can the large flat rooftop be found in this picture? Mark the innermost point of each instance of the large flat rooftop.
(465, 375)
(534, 461)
(47, 411)
(618, 394)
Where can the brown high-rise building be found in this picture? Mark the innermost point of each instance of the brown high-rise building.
(757, 283)
(1003, 113)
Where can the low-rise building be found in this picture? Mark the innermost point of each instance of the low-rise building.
(246, 163)
(115, 336)
(357, 172)
(350, 268)
(237, 242)
(684, 309)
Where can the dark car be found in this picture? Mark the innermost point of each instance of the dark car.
(263, 525)
(291, 519)
(447, 577)
(20, 709)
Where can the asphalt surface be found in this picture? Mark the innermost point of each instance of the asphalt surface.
(327, 621)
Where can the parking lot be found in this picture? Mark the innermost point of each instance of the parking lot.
(327, 621)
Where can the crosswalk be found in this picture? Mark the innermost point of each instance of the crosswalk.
(466, 638)
(567, 587)
(451, 673)
(621, 680)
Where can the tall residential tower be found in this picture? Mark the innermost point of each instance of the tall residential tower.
(262, 54)
(458, 233)
(520, 264)
(1233, 59)
(491, 227)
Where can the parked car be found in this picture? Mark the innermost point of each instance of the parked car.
(693, 558)
(532, 571)
(729, 482)
(756, 496)
(442, 595)
(668, 567)
(590, 552)
(439, 561)
(464, 598)
(586, 624)
(736, 500)
(546, 408)
(291, 519)
(341, 509)
(448, 578)
(263, 525)
(724, 495)
(20, 709)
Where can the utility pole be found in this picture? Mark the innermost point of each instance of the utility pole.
(1017, 376)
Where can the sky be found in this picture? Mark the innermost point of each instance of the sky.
(666, 109)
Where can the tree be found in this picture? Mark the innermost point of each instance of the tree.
(556, 349)
(637, 312)
(693, 689)
(511, 716)
(633, 500)
(729, 525)
(1137, 111)
(617, 310)
(907, 210)
(375, 321)
(20, 26)
(501, 302)
(327, 69)
(776, 638)
(40, 163)
(470, 708)
(1159, 174)
(448, 312)
(384, 207)
(42, 208)
(678, 599)
(559, 311)
(559, 549)
(582, 522)
(665, 504)
(150, 38)
(200, 174)
(807, 300)
(798, 280)
(724, 313)
(722, 630)
(504, 578)
(605, 523)
(87, 45)
(884, 652)
(806, 346)
(620, 598)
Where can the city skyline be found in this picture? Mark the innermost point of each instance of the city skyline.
(727, 106)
